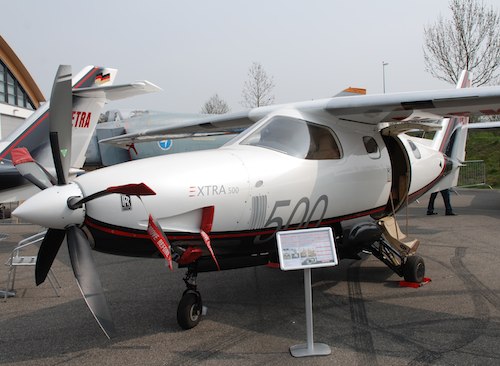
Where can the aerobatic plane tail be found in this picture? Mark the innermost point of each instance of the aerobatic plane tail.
(33, 133)
(91, 89)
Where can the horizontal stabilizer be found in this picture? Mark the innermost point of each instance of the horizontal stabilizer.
(115, 92)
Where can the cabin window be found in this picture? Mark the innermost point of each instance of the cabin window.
(371, 147)
(296, 137)
(323, 145)
(414, 149)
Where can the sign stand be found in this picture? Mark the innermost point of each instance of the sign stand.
(306, 249)
(310, 348)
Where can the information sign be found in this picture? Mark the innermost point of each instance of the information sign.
(307, 248)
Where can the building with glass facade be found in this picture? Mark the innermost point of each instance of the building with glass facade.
(19, 94)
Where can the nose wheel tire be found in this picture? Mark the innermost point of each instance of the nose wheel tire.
(414, 269)
(189, 310)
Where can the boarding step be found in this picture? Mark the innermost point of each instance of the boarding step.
(396, 237)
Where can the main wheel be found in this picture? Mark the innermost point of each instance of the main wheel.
(414, 269)
(189, 310)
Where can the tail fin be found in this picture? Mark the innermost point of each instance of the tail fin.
(33, 133)
(92, 88)
(452, 138)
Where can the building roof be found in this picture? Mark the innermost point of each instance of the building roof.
(16, 67)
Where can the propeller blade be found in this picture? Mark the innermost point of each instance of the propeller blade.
(60, 115)
(30, 169)
(88, 280)
(47, 253)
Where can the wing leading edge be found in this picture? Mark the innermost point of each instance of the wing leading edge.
(408, 107)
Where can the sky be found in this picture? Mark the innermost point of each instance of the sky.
(194, 49)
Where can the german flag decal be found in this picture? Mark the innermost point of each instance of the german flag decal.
(102, 78)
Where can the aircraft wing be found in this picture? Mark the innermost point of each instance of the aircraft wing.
(229, 123)
(412, 108)
(416, 106)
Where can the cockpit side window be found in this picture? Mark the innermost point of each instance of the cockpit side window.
(297, 138)
(323, 144)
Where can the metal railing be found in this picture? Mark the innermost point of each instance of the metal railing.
(472, 174)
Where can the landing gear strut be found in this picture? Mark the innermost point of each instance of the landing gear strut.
(385, 241)
(190, 307)
(410, 267)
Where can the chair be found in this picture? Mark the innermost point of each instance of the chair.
(16, 260)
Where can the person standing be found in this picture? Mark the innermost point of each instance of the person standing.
(447, 204)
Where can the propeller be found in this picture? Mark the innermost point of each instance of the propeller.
(60, 127)
(66, 213)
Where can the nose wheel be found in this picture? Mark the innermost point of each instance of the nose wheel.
(189, 310)
(190, 307)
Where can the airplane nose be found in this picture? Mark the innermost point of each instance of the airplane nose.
(49, 208)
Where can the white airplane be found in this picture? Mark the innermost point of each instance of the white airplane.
(123, 149)
(89, 90)
(300, 165)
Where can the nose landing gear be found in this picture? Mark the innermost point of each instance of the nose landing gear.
(190, 307)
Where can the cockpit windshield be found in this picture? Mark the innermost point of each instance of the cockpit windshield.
(297, 138)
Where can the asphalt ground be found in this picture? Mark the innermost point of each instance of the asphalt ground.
(256, 314)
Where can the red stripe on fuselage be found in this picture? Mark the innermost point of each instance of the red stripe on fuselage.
(423, 190)
(138, 234)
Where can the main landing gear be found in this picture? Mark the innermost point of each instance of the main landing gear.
(407, 265)
(386, 241)
(190, 307)
(414, 269)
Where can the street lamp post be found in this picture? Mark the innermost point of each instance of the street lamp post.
(384, 64)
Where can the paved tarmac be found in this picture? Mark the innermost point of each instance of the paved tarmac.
(256, 314)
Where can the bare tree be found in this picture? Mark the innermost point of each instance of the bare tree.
(257, 89)
(215, 105)
(469, 40)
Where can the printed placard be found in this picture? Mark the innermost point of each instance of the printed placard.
(307, 248)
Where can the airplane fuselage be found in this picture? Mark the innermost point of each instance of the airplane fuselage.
(255, 192)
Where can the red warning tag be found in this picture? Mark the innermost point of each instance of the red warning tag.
(160, 240)
(206, 239)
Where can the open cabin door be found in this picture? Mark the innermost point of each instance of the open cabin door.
(401, 176)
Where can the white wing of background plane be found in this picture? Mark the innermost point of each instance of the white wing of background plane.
(411, 108)
(229, 123)
(493, 125)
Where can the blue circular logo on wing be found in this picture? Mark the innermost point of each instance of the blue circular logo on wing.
(165, 144)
